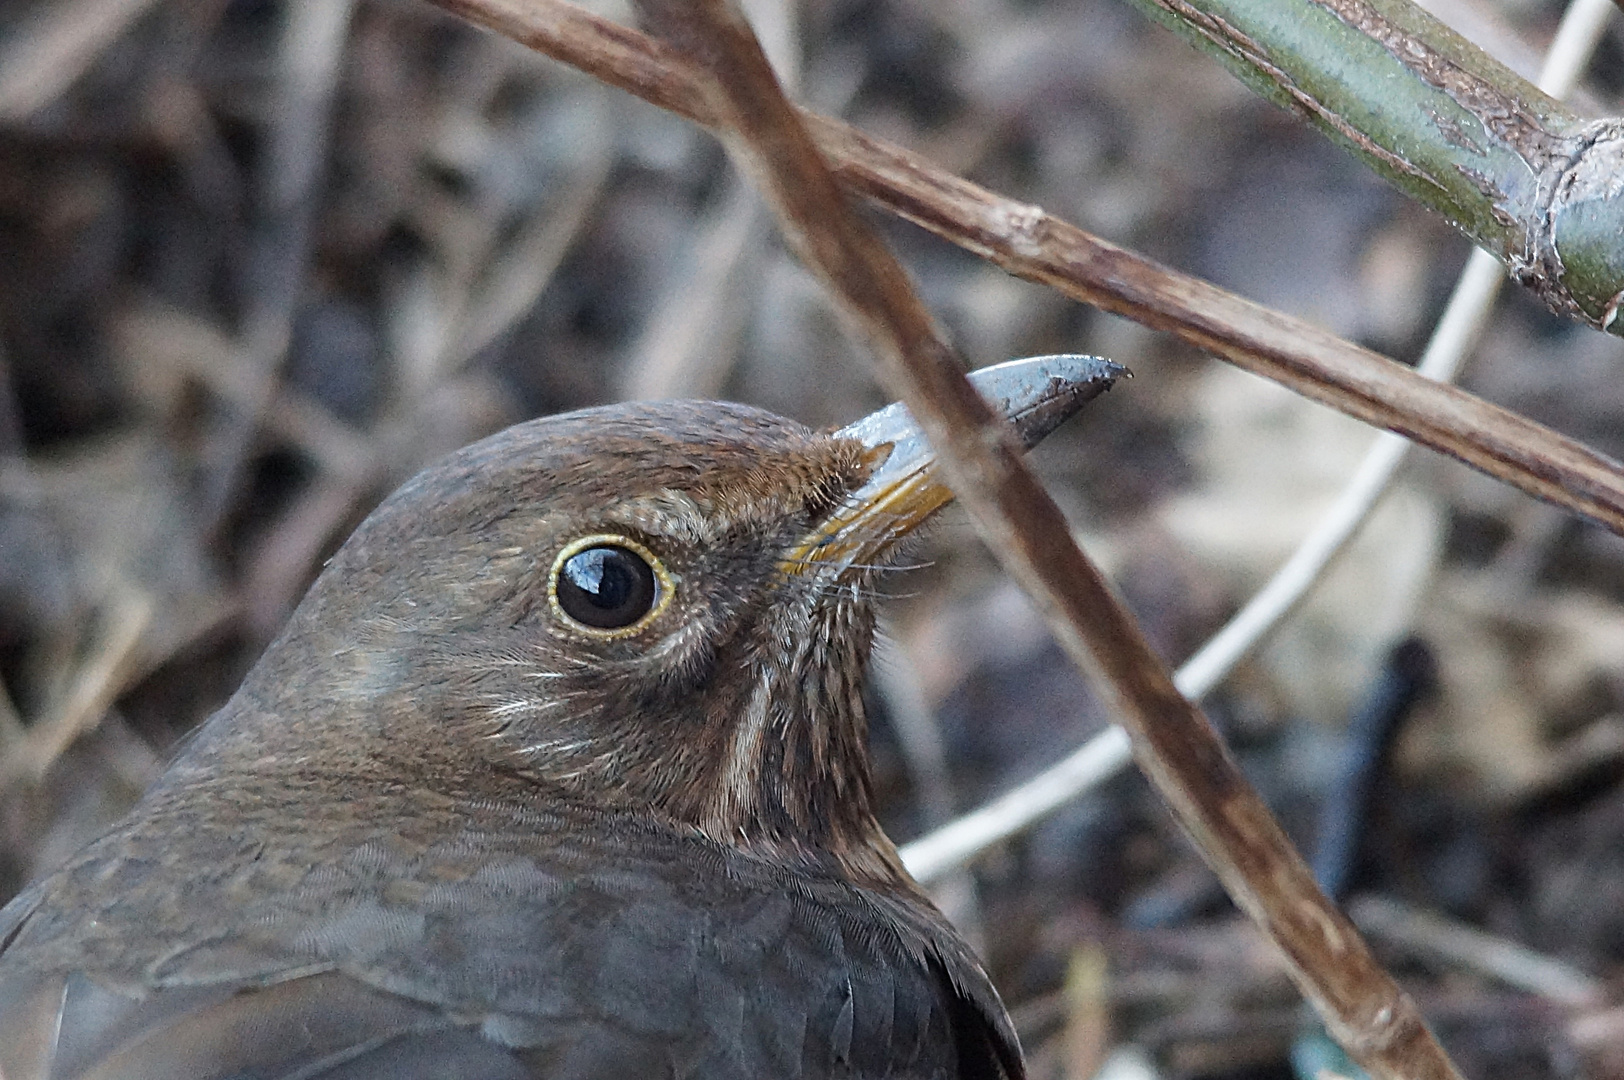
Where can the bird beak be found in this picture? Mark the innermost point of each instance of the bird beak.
(904, 490)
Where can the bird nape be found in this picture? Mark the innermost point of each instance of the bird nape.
(559, 770)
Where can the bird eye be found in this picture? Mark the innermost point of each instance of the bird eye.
(608, 583)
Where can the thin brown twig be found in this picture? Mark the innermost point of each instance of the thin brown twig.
(523, 273)
(280, 568)
(310, 53)
(57, 46)
(1032, 244)
(690, 343)
(98, 682)
(1174, 742)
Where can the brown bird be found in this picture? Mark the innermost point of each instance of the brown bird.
(559, 770)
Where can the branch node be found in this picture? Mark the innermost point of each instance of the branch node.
(1572, 263)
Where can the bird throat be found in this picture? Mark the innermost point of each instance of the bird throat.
(795, 782)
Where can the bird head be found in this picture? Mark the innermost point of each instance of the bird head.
(663, 609)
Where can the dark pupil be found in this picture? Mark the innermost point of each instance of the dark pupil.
(606, 587)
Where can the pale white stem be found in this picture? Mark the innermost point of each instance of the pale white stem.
(1582, 26)
(1456, 333)
(1108, 753)
(956, 843)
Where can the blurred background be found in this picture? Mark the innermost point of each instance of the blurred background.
(260, 261)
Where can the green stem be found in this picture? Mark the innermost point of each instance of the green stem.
(1515, 170)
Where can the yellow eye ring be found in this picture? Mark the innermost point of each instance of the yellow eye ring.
(608, 586)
